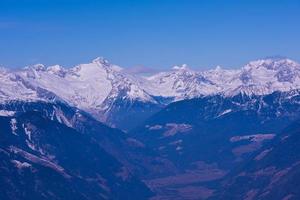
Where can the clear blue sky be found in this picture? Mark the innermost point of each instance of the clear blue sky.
(151, 33)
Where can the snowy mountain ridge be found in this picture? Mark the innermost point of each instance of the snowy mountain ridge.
(98, 85)
(258, 77)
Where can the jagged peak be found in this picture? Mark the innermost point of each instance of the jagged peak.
(55, 68)
(39, 67)
(182, 67)
(272, 63)
(96, 63)
(100, 60)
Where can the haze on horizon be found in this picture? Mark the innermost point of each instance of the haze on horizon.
(155, 34)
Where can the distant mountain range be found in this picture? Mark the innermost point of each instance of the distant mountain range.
(95, 131)
(112, 95)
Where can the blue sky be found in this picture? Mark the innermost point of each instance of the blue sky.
(149, 33)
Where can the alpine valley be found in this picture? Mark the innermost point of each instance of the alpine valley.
(97, 131)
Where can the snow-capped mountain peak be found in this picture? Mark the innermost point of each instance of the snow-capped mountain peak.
(265, 76)
(180, 83)
(94, 87)
(272, 64)
(101, 60)
(280, 70)
(13, 88)
(57, 70)
(182, 67)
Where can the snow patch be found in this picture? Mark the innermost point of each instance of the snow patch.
(253, 138)
(155, 127)
(225, 112)
(178, 148)
(38, 160)
(13, 126)
(20, 165)
(182, 67)
(262, 154)
(7, 113)
(173, 129)
(27, 132)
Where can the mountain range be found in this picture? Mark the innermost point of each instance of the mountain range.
(99, 132)
(112, 95)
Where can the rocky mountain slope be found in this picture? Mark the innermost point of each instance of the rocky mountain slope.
(44, 159)
(271, 173)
